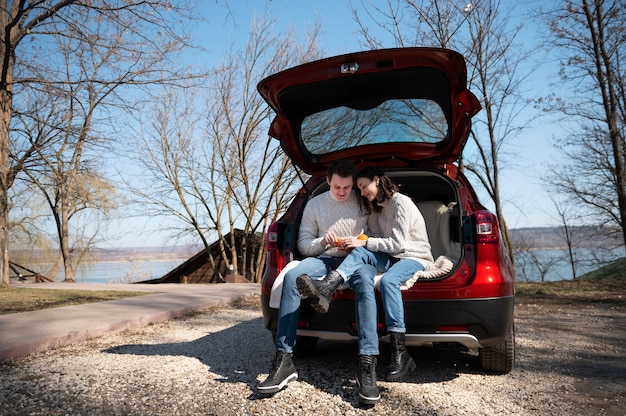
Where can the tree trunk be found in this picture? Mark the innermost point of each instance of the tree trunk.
(5, 104)
(65, 245)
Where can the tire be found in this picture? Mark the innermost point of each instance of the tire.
(499, 358)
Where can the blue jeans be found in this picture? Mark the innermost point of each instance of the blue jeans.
(315, 267)
(362, 282)
(397, 271)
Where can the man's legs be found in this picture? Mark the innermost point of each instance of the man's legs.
(283, 371)
(362, 282)
(289, 309)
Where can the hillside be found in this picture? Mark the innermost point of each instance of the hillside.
(607, 283)
(615, 271)
(554, 237)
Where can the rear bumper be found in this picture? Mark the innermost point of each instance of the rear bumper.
(474, 323)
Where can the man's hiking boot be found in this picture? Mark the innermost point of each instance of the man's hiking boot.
(305, 293)
(283, 371)
(366, 380)
(320, 291)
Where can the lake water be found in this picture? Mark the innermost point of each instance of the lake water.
(555, 265)
(553, 262)
(121, 271)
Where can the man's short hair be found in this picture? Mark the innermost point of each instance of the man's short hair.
(343, 168)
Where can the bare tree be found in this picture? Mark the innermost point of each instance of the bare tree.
(486, 34)
(220, 173)
(540, 252)
(72, 196)
(27, 234)
(569, 232)
(495, 59)
(146, 32)
(544, 264)
(66, 172)
(523, 251)
(590, 38)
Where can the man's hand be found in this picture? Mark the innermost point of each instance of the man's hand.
(329, 240)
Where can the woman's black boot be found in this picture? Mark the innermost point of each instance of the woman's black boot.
(401, 362)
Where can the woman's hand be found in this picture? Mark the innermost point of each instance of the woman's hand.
(349, 243)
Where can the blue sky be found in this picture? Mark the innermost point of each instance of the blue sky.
(522, 186)
(526, 203)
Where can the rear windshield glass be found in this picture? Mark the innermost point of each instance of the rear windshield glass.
(390, 121)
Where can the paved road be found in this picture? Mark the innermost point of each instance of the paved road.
(29, 332)
(570, 361)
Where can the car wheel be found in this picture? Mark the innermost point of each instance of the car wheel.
(305, 346)
(499, 358)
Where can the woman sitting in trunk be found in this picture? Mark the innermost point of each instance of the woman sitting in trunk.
(399, 248)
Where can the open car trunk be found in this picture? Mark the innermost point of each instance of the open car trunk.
(437, 198)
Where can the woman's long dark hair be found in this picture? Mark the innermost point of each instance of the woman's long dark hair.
(386, 188)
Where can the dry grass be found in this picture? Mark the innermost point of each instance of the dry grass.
(605, 284)
(16, 300)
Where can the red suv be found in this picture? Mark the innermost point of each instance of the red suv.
(408, 111)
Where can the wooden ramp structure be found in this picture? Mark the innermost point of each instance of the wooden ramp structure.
(197, 269)
(22, 273)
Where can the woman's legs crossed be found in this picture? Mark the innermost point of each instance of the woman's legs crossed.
(398, 273)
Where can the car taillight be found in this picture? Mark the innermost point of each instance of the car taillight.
(487, 228)
(275, 259)
(271, 242)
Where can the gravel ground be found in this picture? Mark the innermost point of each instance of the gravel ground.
(570, 361)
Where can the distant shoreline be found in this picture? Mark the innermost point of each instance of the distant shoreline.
(173, 253)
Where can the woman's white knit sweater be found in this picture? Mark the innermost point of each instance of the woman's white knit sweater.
(323, 213)
(403, 230)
